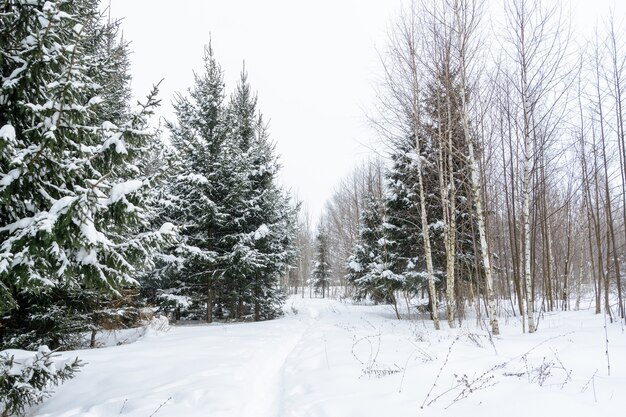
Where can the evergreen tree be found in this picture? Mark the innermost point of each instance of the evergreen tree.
(321, 267)
(443, 129)
(263, 233)
(200, 173)
(110, 65)
(25, 382)
(403, 224)
(236, 225)
(364, 253)
(373, 265)
(402, 197)
(71, 192)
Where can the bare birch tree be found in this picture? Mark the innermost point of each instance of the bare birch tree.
(467, 18)
(401, 98)
(536, 49)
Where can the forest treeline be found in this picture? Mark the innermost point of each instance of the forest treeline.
(501, 184)
(502, 187)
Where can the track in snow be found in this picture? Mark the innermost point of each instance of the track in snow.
(341, 360)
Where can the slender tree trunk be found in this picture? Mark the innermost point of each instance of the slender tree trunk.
(430, 270)
(414, 106)
(550, 276)
(609, 212)
(568, 260)
(446, 208)
(451, 222)
(597, 284)
(395, 305)
(301, 273)
(484, 248)
(617, 64)
(210, 298)
(92, 340)
(510, 200)
(530, 302)
(579, 282)
(595, 210)
(463, 28)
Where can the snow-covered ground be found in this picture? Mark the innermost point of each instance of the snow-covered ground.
(328, 358)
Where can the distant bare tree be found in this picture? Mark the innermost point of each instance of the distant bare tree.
(304, 243)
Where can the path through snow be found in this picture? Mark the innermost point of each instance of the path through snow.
(340, 360)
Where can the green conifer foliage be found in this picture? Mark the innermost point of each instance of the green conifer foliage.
(322, 272)
(72, 210)
(237, 226)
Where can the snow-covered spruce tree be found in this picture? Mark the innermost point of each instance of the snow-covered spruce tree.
(403, 217)
(71, 193)
(56, 317)
(364, 253)
(236, 226)
(201, 171)
(374, 262)
(357, 269)
(263, 224)
(448, 199)
(404, 222)
(27, 381)
(320, 276)
(110, 65)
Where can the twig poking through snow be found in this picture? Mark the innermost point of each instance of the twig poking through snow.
(606, 338)
(440, 371)
(568, 373)
(404, 370)
(326, 353)
(159, 407)
(493, 344)
(123, 405)
(592, 382)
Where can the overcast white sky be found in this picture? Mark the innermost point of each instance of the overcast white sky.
(312, 63)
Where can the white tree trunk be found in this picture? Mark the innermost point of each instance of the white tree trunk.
(530, 304)
(450, 227)
(484, 249)
(464, 30)
(426, 238)
(579, 282)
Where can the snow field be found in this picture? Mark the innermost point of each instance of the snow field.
(344, 360)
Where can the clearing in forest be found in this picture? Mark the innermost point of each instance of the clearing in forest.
(328, 358)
